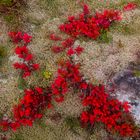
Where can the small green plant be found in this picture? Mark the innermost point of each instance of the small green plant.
(123, 28)
(47, 74)
(2, 53)
(137, 73)
(137, 2)
(126, 29)
(104, 37)
(41, 123)
(9, 18)
(6, 2)
(73, 123)
(17, 136)
(21, 83)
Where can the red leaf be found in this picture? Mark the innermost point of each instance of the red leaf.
(130, 6)
(70, 52)
(29, 57)
(79, 50)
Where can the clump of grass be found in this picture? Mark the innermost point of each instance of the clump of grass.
(126, 29)
(17, 136)
(104, 37)
(2, 53)
(137, 73)
(9, 18)
(6, 2)
(123, 28)
(41, 123)
(120, 44)
(73, 123)
(21, 83)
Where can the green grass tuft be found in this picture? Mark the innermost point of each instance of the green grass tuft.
(137, 73)
(3, 53)
(17, 137)
(21, 83)
(104, 37)
(6, 2)
(73, 123)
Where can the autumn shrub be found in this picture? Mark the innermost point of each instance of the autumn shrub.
(22, 51)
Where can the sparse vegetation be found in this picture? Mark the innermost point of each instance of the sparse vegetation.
(73, 124)
(91, 60)
(6, 2)
(17, 136)
(7, 6)
(52, 6)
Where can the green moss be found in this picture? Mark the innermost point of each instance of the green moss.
(137, 73)
(9, 18)
(6, 2)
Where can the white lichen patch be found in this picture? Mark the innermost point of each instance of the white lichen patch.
(134, 103)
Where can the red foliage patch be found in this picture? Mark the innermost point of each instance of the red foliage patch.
(27, 66)
(109, 111)
(29, 108)
(90, 26)
(130, 6)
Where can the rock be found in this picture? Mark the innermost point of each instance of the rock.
(127, 88)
